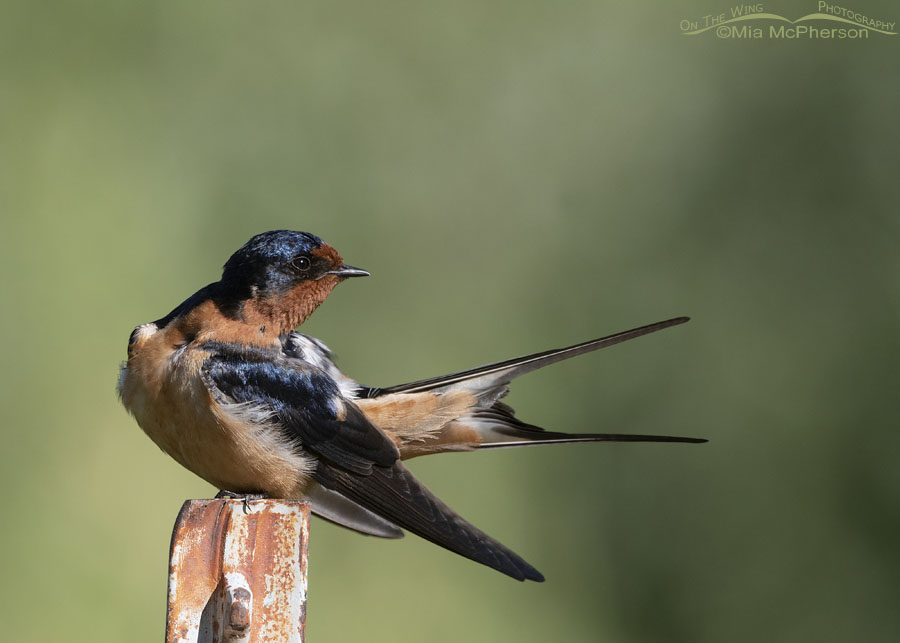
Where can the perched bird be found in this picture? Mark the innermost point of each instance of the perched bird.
(224, 385)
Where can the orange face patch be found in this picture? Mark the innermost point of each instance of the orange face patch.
(302, 300)
(328, 253)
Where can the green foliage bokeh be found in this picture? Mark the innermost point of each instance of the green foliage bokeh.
(516, 176)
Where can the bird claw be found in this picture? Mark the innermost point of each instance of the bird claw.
(245, 497)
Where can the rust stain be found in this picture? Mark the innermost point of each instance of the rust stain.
(239, 610)
(196, 541)
(238, 576)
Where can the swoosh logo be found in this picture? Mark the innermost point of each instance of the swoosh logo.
(774, 16)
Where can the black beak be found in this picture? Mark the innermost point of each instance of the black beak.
(348, 271)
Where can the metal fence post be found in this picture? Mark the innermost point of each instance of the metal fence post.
(238, 576)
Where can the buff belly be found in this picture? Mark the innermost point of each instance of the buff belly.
(226, 445)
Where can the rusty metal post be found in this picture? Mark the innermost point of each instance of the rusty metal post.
(236, 575)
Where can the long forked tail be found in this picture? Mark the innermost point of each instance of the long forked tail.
(474, 418)
(499, 374)
(498, 428)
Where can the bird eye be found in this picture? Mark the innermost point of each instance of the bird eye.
(301, 263)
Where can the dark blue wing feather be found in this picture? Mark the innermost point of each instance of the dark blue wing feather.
(307, 404)
(354, 457)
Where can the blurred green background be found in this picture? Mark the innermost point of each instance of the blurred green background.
(516, 176)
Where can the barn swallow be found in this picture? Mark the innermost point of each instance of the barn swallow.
(225, 386)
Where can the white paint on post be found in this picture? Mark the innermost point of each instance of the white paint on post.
(236, 576)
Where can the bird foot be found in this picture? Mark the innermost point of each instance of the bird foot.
(246, 497)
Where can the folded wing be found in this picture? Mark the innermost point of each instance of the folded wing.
(354, 458)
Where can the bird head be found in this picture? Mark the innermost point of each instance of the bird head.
(284, 275)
